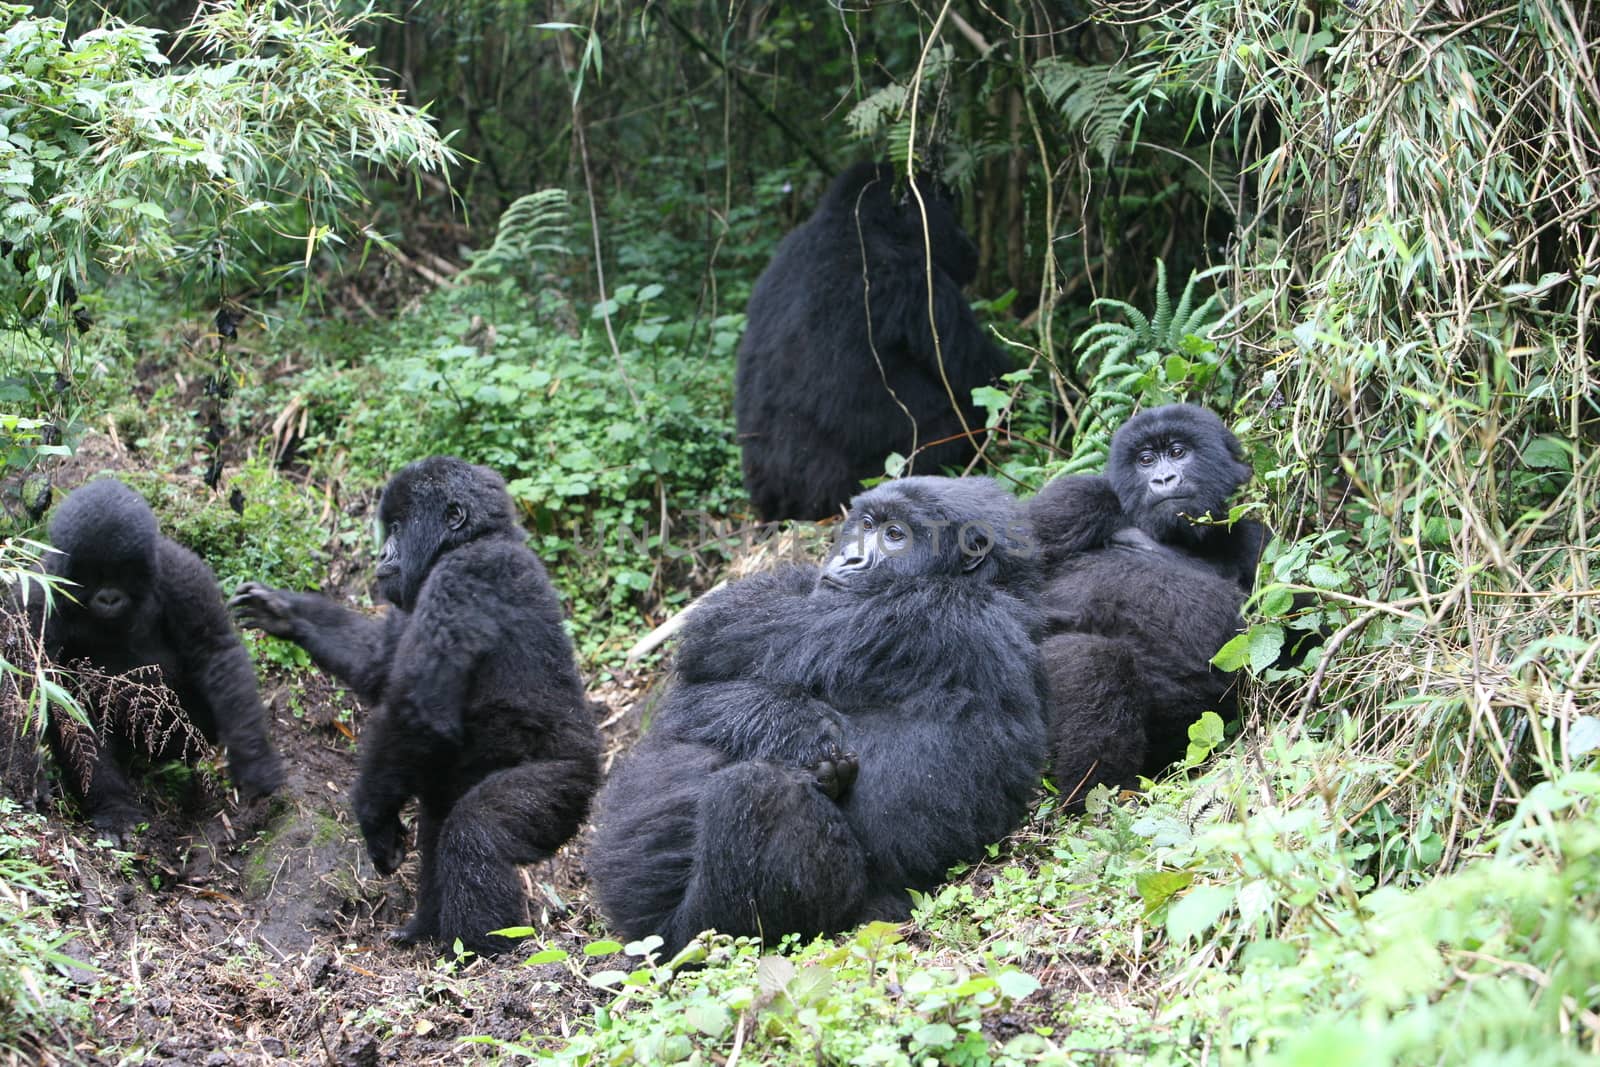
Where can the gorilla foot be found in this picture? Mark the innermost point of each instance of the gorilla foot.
(412, 933)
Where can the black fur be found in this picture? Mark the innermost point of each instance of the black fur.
(816, 411)
(837, 735)
(1138, 597)
(141, 600)
(479, 711)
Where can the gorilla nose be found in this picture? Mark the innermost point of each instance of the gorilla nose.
(108, 603)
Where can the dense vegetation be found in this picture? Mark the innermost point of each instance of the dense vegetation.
(1365, 233)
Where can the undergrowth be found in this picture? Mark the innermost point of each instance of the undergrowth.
(624, 468)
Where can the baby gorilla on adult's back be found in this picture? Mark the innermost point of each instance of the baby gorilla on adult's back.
(838, 735)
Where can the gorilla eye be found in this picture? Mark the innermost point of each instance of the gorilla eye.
(867, 523)
(1176, 451)
(894, 533)
(1146, 458)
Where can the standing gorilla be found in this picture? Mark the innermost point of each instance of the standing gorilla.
(837, 736)
(480, 713)
(838, 365)
(140, 600)
(1139, 597)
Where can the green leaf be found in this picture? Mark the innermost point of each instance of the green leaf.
(549, 955)
(774, 973)
(602, 948)
(1205, 735)
(709, 1018)
(1583, 736)
(1017, 985)
(934, 1035)
(1266, 642)
(1198, 911)
(1155, 888)
(1548, 453)
(1234, 654)
(1325, 577)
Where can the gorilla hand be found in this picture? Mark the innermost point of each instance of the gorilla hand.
(836, 773)
(386, 842)
(263, 608)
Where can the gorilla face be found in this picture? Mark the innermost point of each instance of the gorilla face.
(929, 527)
(1174, 464)
(113, 595)
(411, 544)
(107, 534)
(430, 507)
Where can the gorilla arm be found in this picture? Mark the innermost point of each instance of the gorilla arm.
(730, 633)
(1076, 513)
(219, 668)
(350, 646)
(729, 699)
(452, 629)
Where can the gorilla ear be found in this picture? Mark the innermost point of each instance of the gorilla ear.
(974, 552)
(455, 516)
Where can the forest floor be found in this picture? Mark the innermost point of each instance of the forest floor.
(256, 934)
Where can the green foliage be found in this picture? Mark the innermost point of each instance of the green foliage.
(1093, 101)
(1150, 359)
(865, 999)
(275, 537)
(112, 161)
(533, 225)
(624, 481)
(34, 989)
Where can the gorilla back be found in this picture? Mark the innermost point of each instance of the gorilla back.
(839, 367)
(480, 714)
(836, 736)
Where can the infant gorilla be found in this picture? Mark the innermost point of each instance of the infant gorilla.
(138, 599)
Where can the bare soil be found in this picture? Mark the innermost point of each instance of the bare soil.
(256, 934)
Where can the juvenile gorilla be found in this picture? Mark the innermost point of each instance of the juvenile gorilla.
(1139, 597)
(837, 735)
(838, 366)
(141, 600)
(478, 709)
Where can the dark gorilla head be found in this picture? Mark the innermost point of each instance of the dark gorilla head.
(430, 507)
(1173, 464)
(888, 213)
(932, 527)
(108, 535)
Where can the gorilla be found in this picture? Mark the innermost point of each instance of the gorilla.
(838, 365)
(138, 599)
(479, 711)
(1139, 596)
(837, 736)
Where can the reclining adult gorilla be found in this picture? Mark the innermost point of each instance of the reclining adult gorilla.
(838, 366)
(138, 599)
(838, 735)
(1139, 596)
(480, 714)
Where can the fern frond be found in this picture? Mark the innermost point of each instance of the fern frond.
(1092, 100)
(532, 225)
(1163, 319)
